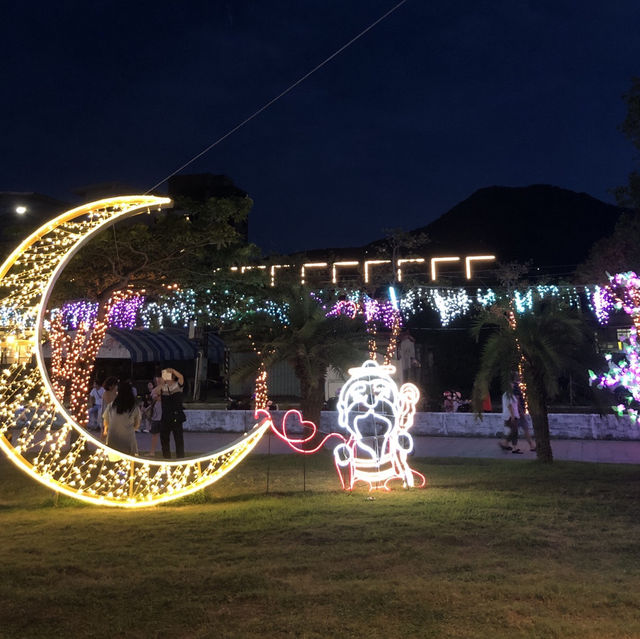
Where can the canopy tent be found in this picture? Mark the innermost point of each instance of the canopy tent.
(143, 345)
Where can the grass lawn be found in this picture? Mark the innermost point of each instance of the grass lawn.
(490, 548)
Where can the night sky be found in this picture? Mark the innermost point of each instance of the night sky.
(438, 100)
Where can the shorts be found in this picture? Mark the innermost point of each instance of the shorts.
(155, 427)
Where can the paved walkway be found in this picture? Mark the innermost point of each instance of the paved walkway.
(614, 452)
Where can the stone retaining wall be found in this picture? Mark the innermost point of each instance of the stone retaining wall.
(562, 425)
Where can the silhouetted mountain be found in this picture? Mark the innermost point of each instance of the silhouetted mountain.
(546, 224)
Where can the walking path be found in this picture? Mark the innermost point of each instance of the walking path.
(604, 451)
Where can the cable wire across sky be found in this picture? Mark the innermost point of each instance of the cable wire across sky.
(280, 95)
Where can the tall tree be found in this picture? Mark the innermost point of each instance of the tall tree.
(399, 243)
(618, 252)
(629, 195)
(175, 248)
(310, 341)
(542, 344)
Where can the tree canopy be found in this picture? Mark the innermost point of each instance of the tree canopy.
(309, 340)
(541, 345)
(618, 252)
(629, 195)
(183, 247)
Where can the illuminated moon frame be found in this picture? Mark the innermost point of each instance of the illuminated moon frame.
(36, 431)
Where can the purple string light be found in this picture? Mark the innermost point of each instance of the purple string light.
(123, 313)
(373, 311)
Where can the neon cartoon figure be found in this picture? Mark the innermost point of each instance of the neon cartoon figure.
(376, 416)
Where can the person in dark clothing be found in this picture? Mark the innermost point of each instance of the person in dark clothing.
(170, 392)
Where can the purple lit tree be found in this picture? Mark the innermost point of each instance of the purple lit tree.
(623, 294)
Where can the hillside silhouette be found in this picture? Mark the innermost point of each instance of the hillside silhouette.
(551, 226)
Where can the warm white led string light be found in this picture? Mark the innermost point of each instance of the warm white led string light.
(36, 431)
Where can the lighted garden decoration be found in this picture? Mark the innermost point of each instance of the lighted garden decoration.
(36, 431)
(376, 417)
(623, 293)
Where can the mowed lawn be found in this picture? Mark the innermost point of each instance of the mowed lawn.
(490, 548)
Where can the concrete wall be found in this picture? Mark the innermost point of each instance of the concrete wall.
(563, 426)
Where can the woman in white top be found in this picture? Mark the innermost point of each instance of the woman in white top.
(510, 415)
(121, 420)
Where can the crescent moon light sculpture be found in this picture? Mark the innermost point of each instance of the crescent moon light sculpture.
(36, 431)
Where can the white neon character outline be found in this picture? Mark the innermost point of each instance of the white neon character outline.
(371, 396)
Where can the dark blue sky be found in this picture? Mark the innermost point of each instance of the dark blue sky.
(440, 99)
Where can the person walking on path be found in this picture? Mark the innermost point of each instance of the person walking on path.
(522, 419)
(510, 415)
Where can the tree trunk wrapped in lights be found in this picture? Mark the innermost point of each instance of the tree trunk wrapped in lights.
(73, 358)
(311, 339)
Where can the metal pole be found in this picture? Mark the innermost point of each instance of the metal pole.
(268, 459)
(226, 367)
(196, 381)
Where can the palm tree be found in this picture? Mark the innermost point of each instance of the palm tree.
(310, 342)
(541, 345)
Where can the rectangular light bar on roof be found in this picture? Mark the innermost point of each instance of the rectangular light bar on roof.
(308, 265)
(437, 260)
(369, 263)
(366, 267)
(475, 258)
(334, 269)
(410, 260)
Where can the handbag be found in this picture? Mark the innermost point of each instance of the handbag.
(179, 416)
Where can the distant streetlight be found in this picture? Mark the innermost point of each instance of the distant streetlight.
(21, 210)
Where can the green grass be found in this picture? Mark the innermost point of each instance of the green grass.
(488, 549)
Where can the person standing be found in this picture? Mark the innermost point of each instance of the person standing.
(147, 405)
(110, 390)
(510, 416)
(121, 420)
(156, 419)
(522, 419)
(95, 412)
(407, 357)
(170, 391)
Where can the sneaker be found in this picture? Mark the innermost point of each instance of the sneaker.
(517, 451)
(504, 446)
